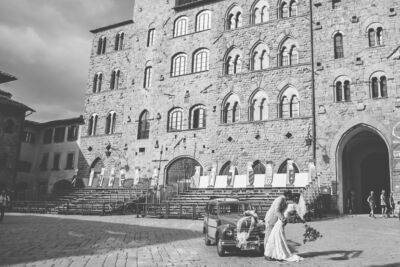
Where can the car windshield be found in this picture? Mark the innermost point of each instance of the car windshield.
(230, 208)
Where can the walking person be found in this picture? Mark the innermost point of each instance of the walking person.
(372, 204)
(392, 205)
(274, 214)
(383, 204)
(3, 204)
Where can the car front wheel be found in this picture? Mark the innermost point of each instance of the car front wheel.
(220, 248)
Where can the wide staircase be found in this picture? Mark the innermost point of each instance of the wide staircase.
(192, 202)
(86, 201)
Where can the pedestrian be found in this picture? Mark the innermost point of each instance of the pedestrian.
(383, 204)
(3, 204)
(372, 204)
(392, 205)
(350, 201)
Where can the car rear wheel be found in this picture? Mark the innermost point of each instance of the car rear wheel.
(220, 248)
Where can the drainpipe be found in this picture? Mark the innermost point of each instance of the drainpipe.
(314, 126)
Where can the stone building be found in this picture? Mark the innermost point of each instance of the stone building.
(48, 157)
(356, 49)
(12, 117)
(219, 84)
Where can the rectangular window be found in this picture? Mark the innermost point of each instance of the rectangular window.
(56, 161)
(72, 133)
(59, 135)
(29, 137)
(43, 163)
(48, 136)
(70, 161)
(150, 38)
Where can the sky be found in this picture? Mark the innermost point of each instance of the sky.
(46, 44)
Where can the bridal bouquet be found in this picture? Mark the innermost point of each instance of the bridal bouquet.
(310, 234)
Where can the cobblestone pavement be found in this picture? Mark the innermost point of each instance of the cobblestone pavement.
(49, 240)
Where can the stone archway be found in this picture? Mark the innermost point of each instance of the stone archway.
(362, 166)
(181, 169)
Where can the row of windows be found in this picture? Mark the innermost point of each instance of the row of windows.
(56, 166)
(378, 87)
(110, 123)
(375, 38)
(59, 134)
(200, 63)
(197, 118)
(114, 82)
(118, 43)
(203, 22)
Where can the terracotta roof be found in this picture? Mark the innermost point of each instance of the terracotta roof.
(116, 25)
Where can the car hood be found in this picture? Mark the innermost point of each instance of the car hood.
(230, 219)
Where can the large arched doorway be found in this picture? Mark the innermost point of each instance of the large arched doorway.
(363, 166)
(181, 169)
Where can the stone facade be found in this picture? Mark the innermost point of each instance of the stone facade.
(272, 139)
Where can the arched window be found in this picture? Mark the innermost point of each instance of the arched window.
(293, 9)
(289, 103)
(101, 45)
(375, 35)
(283, 167)
(371, 37)
(150, 37)
(9, 127)
(92, 126)
(179, 65)
(285, 58)
(201, 60)
(115, 76)
(175, 119)
(147, 77)
(260, 12)
(294, 56)
(144, 125)
(119, 41)
(198, 117)
(342, 89)
(379, 85)
(234, 18)
(288, 54)
(258, 167)
(110, 122)
(181, 26)
(258, 106)
(260, 57)
(226, 167)
(338, 45)
(284, 10)
(233, 62)
(203, 21)
(97, 82)
(231, 109)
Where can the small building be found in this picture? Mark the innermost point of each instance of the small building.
(49, 156)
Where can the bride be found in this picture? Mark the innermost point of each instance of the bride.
(276, 247)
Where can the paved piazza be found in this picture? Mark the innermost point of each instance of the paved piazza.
(48, 240)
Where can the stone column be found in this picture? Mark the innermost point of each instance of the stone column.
(231, 177)
(290, 174)
(312, 173)
(136, 176)
(250, 175)
(91, 178)
(101, 177)
(112, 177)
(212, 176)
(122, 174)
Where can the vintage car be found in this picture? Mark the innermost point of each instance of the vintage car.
(220, 226)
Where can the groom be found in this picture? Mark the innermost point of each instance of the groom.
(274, 213)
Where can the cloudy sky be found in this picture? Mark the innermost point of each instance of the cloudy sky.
(46, 44)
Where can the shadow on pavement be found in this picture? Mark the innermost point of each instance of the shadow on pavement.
(34, 238)
(346, 254)
(397, 264)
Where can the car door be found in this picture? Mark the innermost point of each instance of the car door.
(212, 220)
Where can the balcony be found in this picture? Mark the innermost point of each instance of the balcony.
(184, 4)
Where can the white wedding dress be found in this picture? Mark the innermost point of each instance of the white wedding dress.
(277, 247)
